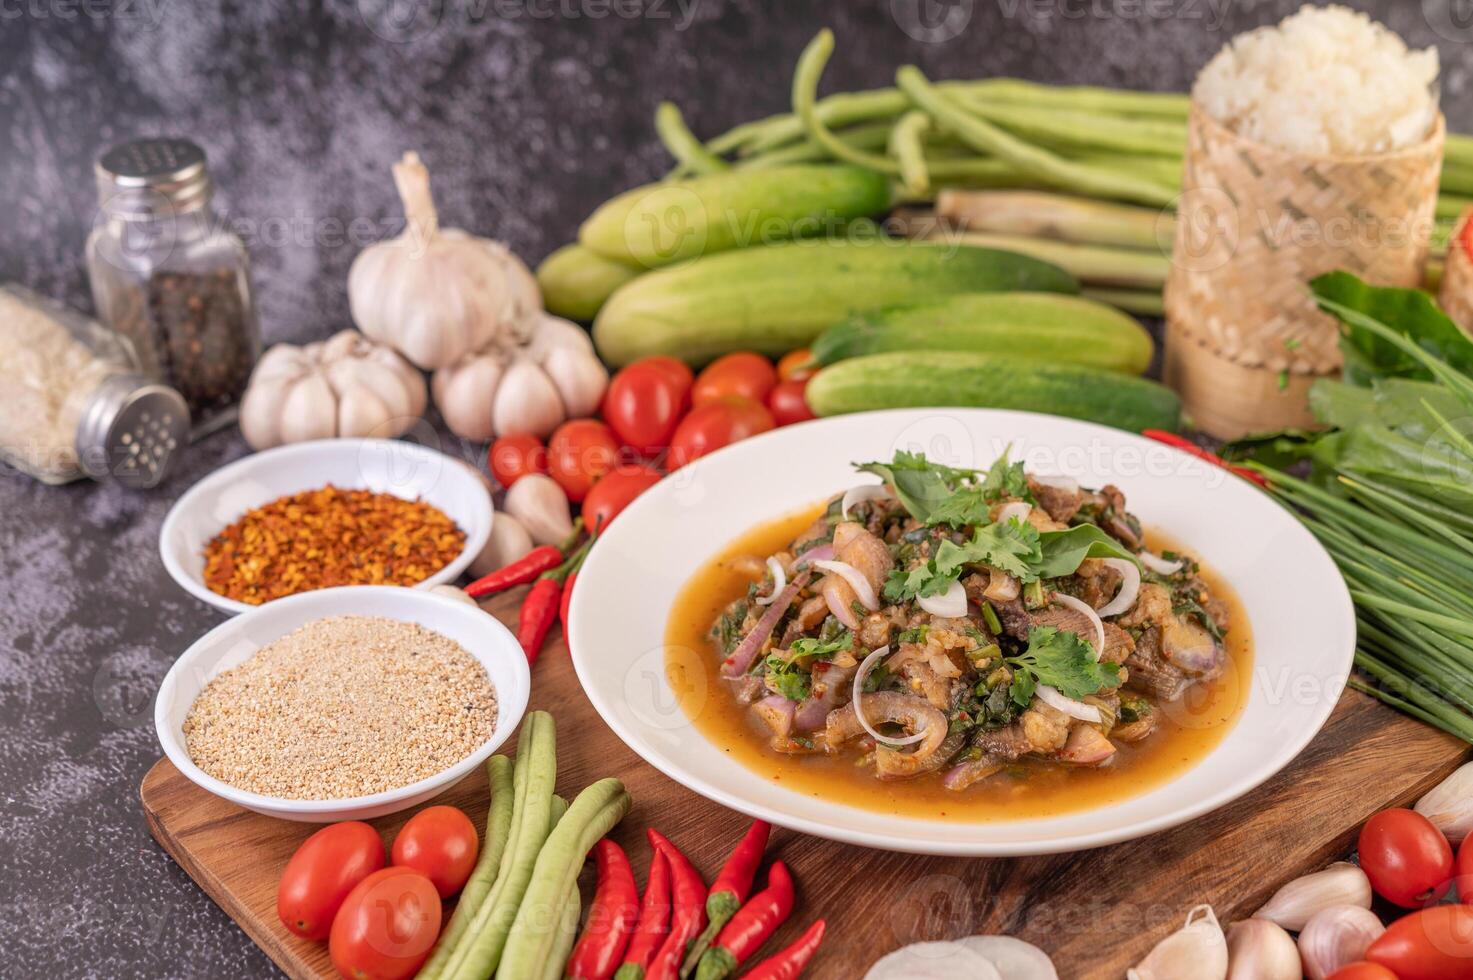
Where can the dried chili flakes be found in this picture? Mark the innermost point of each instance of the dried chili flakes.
(326, 537)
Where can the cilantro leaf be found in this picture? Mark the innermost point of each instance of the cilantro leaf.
(1009, 545)
(923, 580)
(1005, 479)
(1062, 660)
(966, 506)
(1065, 551)
(791, 684)
(807, 648)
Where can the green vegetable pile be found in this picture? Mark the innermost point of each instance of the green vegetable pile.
(1389, 493)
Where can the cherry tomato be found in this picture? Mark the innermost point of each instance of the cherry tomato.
(788, 404)
(1362, 971)
(322, 872)
(578, 453)
(677, 371)
(1433, 944)
(613, 492)
(1407, 859)
(440, 843)
(716, 424)
(746, 374)
(386, 927)
(643, 405)
(514, 456)
(796, 365)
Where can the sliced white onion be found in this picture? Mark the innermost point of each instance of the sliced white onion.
(780, 581)
(867, 491)
(1052, 697)
(1158, 564)
(1130, 587)
(1065, 483)
(859, 675)
(862, 589)
(1065, 599)
(1018, 509)
(952, 605)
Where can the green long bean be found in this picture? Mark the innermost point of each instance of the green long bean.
(805, 93)
(906, 144)
(688, 151)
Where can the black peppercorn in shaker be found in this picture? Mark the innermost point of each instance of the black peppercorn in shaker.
(168, 275)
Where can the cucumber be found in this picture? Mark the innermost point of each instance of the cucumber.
(659, 224)
(1047, 326)
(779, 297)
(576, 281)
(936, 378)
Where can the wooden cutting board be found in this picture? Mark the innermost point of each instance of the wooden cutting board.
(1096, 912)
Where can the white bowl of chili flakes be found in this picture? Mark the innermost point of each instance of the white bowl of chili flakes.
(364, 512)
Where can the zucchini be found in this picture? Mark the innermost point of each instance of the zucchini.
(1047, 326)
(576, 281)
(776, 298)
(939, 378)
(658, 224)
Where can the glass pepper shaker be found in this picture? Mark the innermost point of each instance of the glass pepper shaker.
(170, 277)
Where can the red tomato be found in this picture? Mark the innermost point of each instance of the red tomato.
(1434, 944)
(796, 365)
(643, 405)
(613, 492)
(1463, 869)
(788, 404)
(514, 456)
(746, 374)
(716, 424)
(1362, 971)
(386, 927)
(322, 872)
(578, 453)
(440, 843)
(1407, 859)
(677, 371)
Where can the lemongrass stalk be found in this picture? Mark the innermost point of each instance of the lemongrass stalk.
(1087, 263)
(1141, 302)
(688, 151)
(1046, 215)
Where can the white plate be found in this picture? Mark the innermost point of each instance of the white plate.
(1301, 614)
(381, 465)
(233, 641)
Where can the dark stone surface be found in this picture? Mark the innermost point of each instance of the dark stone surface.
(529, 112)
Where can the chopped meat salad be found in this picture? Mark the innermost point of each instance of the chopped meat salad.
(958, 622)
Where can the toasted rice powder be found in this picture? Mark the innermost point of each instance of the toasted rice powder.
(342, 707)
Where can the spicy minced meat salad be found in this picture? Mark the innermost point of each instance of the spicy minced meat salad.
(958, 621)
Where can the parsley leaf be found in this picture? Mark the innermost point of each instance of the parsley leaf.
(1062, 660)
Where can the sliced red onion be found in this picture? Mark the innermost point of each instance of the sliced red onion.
(1158, 564)
(1130, 587)
(741, 658)
(822, 552)
(1018, 509)
(1065, 483)
(1065, 599)
(1074, 709)
(859, 676)
(862, 589)
(780, 581)
(867, 491)
(952, 605)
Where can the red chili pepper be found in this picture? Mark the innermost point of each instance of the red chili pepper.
(688, 915)
(730, 889)
(542, 603)
(611, 918)
(654, 921)
(790, 961)
(562, 612)
(750, 927)
(1188, 446)
(519, 572)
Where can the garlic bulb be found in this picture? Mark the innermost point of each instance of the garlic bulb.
(1449, 804)
(1196, 951)
(532, 385)
(1341, 883)
(1260, 950)
(344, 386)
(507, 542)
(436, 293)
(453, 592)
(539, 505)
(1336, 936)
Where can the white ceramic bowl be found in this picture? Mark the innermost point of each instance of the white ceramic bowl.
(1301, 615)
(233, 641)
(403, 469)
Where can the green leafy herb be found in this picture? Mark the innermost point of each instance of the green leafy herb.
(1410, 312)
(728, 629)
(1010, 545)
(875, 679)
(922, 580)
(934, 493)
(1061, 660)
(1065, 551)
(1187, 605)
(808, 649)
(791, 684)
(1006, 479)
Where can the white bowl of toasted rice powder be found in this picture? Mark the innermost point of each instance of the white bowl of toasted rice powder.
(342, 704)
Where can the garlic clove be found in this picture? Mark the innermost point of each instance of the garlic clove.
(309, 411)
(465, 394)
(507, 542)
(1013, 958)
(1196, 951)
(1292, 906)
(362, 413)
(580, 379)
(1336, 936)
(1449, 804)
(1260, 950)
(540, 505)
(260, 414)
(527, 401)
(550, 333)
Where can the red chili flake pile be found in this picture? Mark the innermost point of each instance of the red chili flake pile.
(326, 537)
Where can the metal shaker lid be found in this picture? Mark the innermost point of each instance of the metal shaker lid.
(132, 430)
(145, 176)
